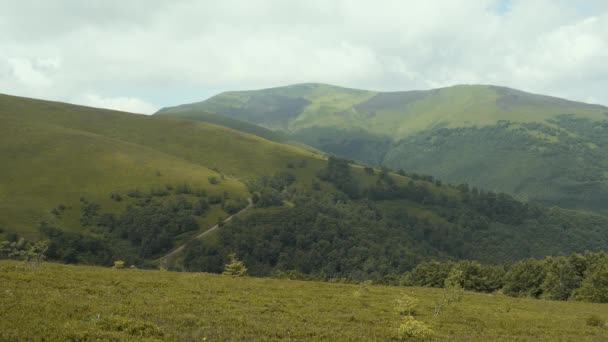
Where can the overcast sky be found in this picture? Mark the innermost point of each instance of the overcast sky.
(142, 55)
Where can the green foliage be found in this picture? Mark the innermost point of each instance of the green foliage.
(524, 279)
(119, 264)
(594, 287)
(232, 206)
(407, 305)
(411, 329)
(235, 267)
(578, 277)
(339, 173)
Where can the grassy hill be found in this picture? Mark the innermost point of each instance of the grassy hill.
(60, 302)
(537, 147)
(119, 186)
(54, 153)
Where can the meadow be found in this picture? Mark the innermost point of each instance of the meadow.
(84, 303)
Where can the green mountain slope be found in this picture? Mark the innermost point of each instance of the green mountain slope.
(118, 186)
(539, 148)
(54, 153)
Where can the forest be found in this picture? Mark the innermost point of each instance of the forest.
(365, 232)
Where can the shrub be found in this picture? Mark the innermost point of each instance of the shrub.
(595, 321)
(407, 305)
(214, 199)
(183, 189)
(119, 264)
(413, 330)
(235, 267)
(135, 194)
(159, 192)
(200, 207)
(131, 327)
(213, 180)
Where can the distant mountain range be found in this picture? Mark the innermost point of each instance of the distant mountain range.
(536, 147)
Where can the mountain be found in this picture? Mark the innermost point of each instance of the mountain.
(538, 148)
(102, 185)
(53, 154)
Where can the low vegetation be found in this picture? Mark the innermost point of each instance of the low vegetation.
(62, 302)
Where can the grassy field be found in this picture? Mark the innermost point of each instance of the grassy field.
(59, 302)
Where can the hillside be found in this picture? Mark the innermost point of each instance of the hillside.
(103, 186)
(60, 302)
(55, 154)
(492, 137)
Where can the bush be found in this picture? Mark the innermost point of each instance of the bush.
(135, 194)
(413, 330)
(119, 264)
(183, 189)
(407, 305)
(595, 321)
(235, 267)
(214, 199)
(130, 327)
(232, 206)
(213, 180)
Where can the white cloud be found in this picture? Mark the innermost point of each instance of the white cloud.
(26, 73)
(127, 104)
(164, 53)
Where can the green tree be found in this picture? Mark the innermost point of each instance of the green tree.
(524, 278)
(561, 278)
(235, 267)
(594, 287)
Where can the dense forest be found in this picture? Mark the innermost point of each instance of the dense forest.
(366, 231)
(574, 277)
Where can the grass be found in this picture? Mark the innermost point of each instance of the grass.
(344, 108)
(60, 302)
(54, 153)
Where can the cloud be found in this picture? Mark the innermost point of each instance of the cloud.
(165, 53)
(127, 104)
(28, 73)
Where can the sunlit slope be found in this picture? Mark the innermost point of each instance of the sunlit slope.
(537, 147)
(54, 153)
(392, 114)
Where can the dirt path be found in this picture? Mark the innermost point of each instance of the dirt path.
(163, 260)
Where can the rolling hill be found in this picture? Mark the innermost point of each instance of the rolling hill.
(53, 154)
(537, 147)
(108, 185)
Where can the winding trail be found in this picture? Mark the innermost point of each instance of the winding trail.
(163, 260)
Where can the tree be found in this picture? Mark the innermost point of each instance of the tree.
(594, 287)
(235, 267)
(525, 278)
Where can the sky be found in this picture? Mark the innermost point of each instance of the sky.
(142, 55)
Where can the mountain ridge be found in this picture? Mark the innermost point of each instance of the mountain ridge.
(494, 137)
